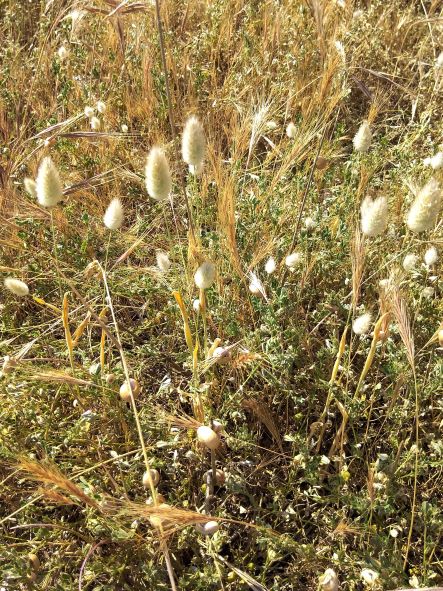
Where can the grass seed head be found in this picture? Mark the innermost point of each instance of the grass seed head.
(424, 211)
(95, 123)
(193, 143)
(158, 176)
(163, 261)
(220, 477)
(62, 53)
(113, 218)
(362, 324)
(410, 262)
(374, 216)
(270, 266)
(49, 187)
(208, 437)
(30, 187)
(89, 112)
(293, 260)
(291, 130)
(440, 337)
(101, 107)
(431, 256)
(205, 275)
(17, 287)
(363, 137)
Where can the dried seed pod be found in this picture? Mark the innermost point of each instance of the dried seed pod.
(220, 477)
(208, 437)
(125, 391)
(155, 477)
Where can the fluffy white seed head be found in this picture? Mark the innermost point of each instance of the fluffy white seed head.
(374, 216)
(155, 477)
(410, 262)
(196, 170)
(30, 187)
(17, 287)
(293, 260)
(436, 161)
(424, 211)
(363, 137)
(291, 130)
(95, 123)
(362, 324)
(193, 142)
(208, 437)
(48, 184)
(329, 580)
(439, 61)
(158, 176)
(428, 292)
(205, 275)
(89, 112)
(310, 223)
(62, 53)
(196, 305)
(101, 107)
(270, 266)
(431, 256)
(113, 218)
(163, 262)
(124, 128)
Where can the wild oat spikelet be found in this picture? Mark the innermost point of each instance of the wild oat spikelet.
(17, 287)
(113, 218)
(374, 216)
(431, 256)
(30, 187)
(362, 324)
(363, 137)
(205, 275)
(424, 211)
(163, 262)
(410, 262)
(256, 286)
(49, 187)
(193, 142)
(158, 176)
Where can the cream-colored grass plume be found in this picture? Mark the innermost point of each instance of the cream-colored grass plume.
(95, 123)
(30, 187)
(205, 275)
(17, 287)
(49, 187)
(374, 216)
(62, 53)
(256, 286)
(363, 138)
(113, 218)
(193, 142)
(435, 162)
(410, 262)
(163, 262)
(431, 256)
(293, 260)
(270, 266)
(158, 176)
(424, 211)
(89, 112)
(101, 107)
(362, 324)
(291, 130)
